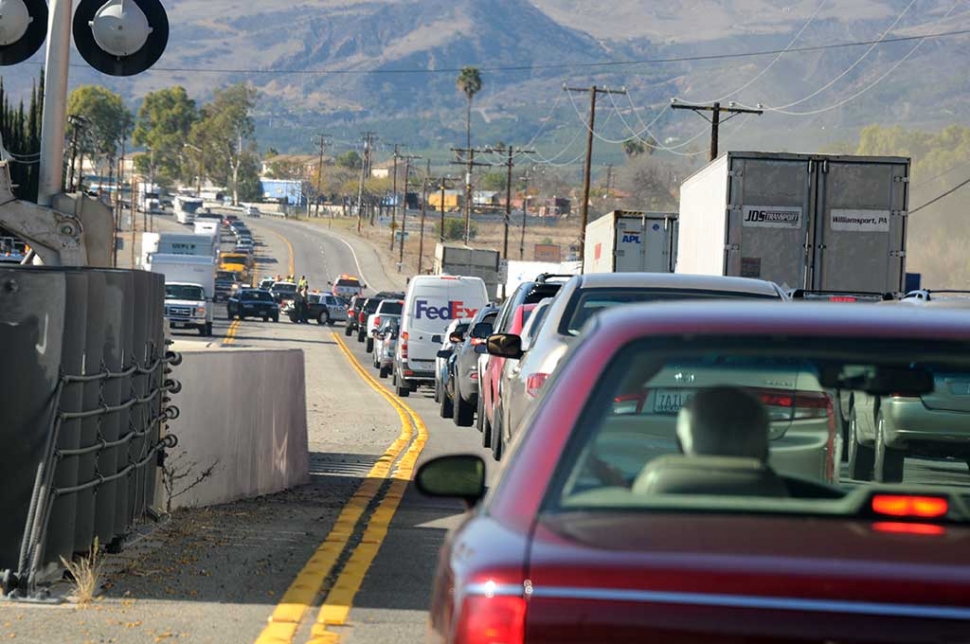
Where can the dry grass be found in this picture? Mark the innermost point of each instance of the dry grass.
(562, 232)
(86, 574)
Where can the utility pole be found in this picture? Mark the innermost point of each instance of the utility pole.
(509, 164)
(470, 163)
(609, 179)
(394, 204)
(594, 92)
(368, 136)
(715, 120)
(424, 214)
(323, 142)
(525, 215)
(404, 211)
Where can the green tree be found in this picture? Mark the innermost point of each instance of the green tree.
(455, 229)
(109, 123)
(350, 159)
(637, 146)
(469, 83)
(227, 130)
(165, 120)
(492, 181)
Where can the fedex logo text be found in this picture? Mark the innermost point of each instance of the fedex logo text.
(453, 311)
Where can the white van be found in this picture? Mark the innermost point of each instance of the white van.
(431, 303)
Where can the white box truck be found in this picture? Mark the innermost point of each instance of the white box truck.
(814, 222)
(626, 241)
(187, 244)
(190, 283)
(469, 262)
(211, 227)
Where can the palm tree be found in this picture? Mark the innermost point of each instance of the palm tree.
(469, 83)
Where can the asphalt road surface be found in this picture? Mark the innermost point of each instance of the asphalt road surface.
(347, 558)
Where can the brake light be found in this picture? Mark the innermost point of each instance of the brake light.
(492, 620)
(477, 341)
(922, 507)
(377, 320)
(534, 383)
(795, 405)
(474, 375)
(404, 350)
(921, 529)
(362, 318)
(404, 335)
(842, 298)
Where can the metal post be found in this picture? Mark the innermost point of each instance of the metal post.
(441, 229)
(508, 208)
(424, 213)
(394, 203)
(55, 101)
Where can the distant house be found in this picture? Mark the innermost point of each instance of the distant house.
(485, 198)
(292, 166)
(382, 170)
(552, 206)
(282, 191)
(454, 199)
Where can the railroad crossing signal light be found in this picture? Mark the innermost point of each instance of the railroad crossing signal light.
(23, 28)
(120, 37)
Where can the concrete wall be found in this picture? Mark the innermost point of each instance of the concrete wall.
(243, 422)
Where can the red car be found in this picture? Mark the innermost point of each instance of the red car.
(491, 379)
(678, 518)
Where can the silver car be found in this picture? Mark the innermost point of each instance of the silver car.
(883, 431)
(578, 301)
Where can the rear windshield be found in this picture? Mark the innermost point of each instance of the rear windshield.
(588, 302)
(262, 296)
(370, 306)
(736, 425)
(280, 287)
(392, 308)
(347, 282)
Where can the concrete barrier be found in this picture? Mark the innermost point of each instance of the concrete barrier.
(242, 431)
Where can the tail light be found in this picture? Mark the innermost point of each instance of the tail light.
(362, 318)
(377, 321)
(534, 383)
(477, 341)
(474, 375)
(795, 405)
(492, 620)
(842, 298)
(915, 507)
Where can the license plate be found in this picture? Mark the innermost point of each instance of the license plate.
(670, 401)
(248, 306)
(178, 325)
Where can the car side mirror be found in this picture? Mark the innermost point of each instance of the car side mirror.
(436, 339)
(456, 338)
(456, 476)
(444, 353)
(482, 330)
(504, 345)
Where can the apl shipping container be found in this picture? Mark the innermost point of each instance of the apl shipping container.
(625, 241)
(815, 222)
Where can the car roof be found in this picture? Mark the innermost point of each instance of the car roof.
(680, 281)
(760, 318)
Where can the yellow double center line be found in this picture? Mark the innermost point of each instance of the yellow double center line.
(309, 582)
(231, 333)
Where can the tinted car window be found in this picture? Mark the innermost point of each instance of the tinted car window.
(586, 303)
(392, 308)
(261, 296)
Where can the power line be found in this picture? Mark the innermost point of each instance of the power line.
(715, 120)
(594, 92)
(942, 196)
(564, 66)
(783, 109)
(766, 68)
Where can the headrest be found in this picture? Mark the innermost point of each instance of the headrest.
(709, 475)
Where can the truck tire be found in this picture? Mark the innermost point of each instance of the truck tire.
(384, 372)
(889, 462)
(361, 334)
(348, 330)
(369, 346)
(208, 329)
(276, 318)
(447, 407)
(403, 388)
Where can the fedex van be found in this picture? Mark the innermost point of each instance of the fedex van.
(431, 303)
